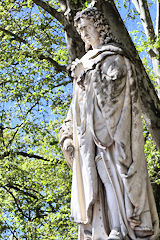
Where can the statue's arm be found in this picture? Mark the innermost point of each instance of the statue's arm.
(114, 67)
(109, 84)
(66, 137)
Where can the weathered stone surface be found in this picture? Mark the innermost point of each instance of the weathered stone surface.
(102, 139)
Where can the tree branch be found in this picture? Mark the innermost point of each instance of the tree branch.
(11, 140)
(63, 84)
(25, 187)
(53, 12)
(136, 4)
(68, 27)
(58, 67)
(142, 8)
(16, 201)
(30, 155)
(17, 38)
(12, 231)
(24, 154)
(9, 185)
(39, 212)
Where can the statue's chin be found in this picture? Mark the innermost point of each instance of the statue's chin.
(88, 47)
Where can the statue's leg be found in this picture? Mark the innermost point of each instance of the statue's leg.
(111, 199)
(113, 213)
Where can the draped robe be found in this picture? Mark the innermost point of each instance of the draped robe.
(104, 122)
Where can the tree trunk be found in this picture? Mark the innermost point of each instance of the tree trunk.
(75, 45)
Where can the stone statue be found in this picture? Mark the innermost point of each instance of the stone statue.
(102, 140)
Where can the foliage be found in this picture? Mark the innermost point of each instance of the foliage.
(153, 162)
(34, 179)
(35, 92)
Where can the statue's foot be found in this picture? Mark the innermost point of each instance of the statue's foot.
(114, 235)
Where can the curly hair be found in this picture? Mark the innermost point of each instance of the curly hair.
(100, 23)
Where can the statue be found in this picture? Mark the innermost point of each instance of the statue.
(102, 140)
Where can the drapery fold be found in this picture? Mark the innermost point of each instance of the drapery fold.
(106, 115)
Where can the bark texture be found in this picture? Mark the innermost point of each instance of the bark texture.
(75, 45)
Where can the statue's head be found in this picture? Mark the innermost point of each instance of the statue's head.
(93, 28)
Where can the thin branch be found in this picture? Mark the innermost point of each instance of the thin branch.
(52, 208)
(11, 140)
(24, 154)
(28, 193)
(5, 82)
(18, 128)
(70, 29)
(6, 154)
(136, 4)
(11, 186)
(53, 12)
(2, 129)
(142, 8)
(58, 67)
(12, 231)
(30, 155)
(25, 187)
(38, 210)
(63, 84)
(16, 201)
(150, 33)
(17, 38)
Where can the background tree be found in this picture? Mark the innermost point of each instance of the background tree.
(35, 93)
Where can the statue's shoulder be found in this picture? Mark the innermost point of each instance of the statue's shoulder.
(114, 66)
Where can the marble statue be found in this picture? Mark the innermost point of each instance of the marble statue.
(102, 140)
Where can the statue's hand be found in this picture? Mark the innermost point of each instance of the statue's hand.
(68, 145)
(68, 149)
(74, 64)
(76, 68)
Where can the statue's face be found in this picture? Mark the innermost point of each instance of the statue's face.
(88, 32)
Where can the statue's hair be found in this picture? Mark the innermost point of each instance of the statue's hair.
(99, 21)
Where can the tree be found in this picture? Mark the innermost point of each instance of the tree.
(35, 94)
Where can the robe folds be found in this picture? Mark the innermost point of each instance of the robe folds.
(104, 122)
